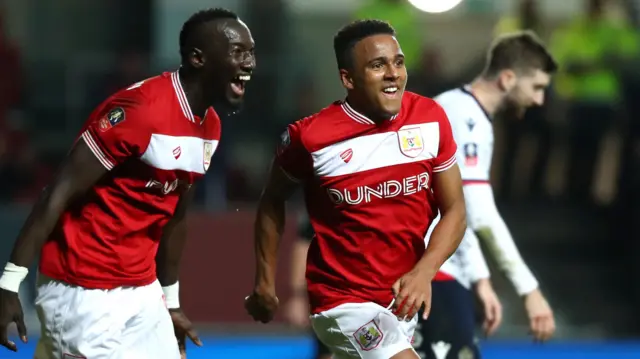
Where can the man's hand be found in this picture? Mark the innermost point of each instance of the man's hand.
(541, 321)
(183, 329)
(492, 307)
(11, 312)
(412, 291)
(297, 311)
(262, 304)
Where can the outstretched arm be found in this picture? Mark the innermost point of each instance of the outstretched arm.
(291, 164)
(269, 225)
(80, 170)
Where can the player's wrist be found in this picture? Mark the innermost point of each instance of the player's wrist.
(483, 282)
(265, 282)
(12, 277)
(299, 292)
(172, 295)
(524, 283)
(535, 292)
(428, 267)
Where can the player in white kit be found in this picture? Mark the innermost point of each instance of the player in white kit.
(517, 72)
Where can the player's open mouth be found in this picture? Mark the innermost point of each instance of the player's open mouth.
(391, 91)
(238, 84)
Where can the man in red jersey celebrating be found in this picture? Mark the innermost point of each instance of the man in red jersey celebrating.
(375, 169)
(111, 226)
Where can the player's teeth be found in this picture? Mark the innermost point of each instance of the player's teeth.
(390, 89)
(244, 77)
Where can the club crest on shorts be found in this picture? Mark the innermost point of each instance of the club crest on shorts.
(411, 141)
(368, 336)
(112, 118)
(208, 153)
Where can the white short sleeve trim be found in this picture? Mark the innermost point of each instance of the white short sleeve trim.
(446, 164)
(93, 146)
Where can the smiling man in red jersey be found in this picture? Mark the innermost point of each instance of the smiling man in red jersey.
(376, 169)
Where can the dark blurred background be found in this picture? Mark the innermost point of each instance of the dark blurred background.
(565, 177)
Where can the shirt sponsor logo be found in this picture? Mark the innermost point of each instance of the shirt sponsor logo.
(387, 189)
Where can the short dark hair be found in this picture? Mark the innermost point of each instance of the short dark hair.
(519, 51)
(349, 35)
(191, 26)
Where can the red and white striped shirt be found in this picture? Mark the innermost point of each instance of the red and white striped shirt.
(154, 147)
(368, 193)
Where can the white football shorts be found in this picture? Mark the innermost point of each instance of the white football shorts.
(363, 330)
(123, 323)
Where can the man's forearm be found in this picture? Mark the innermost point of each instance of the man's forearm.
(174, 238)
(37, 228)
(487, 223)
(269, 227)
(298, 266)
(170, 251)
(445, 239)
(500, 244)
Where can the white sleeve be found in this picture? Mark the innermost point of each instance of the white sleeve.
(483, 218)
(474, 148)
(474, 265)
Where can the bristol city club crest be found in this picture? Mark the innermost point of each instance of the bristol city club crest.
(368, 336)
(208, 153)
(411, 142)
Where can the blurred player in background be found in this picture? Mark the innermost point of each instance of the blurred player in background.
(120, 198)
(297, 309)
(375, 168)
(516, 75)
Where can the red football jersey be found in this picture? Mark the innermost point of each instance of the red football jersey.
(368, 193)
(154, 148)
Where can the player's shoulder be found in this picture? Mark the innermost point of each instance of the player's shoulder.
(322, 128)
(418, 108)
(139, 102)
(412, 99)
(456, 99)
(148, 94)
(322, 118)
(459, 104)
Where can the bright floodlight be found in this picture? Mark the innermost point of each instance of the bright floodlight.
(435, 6)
